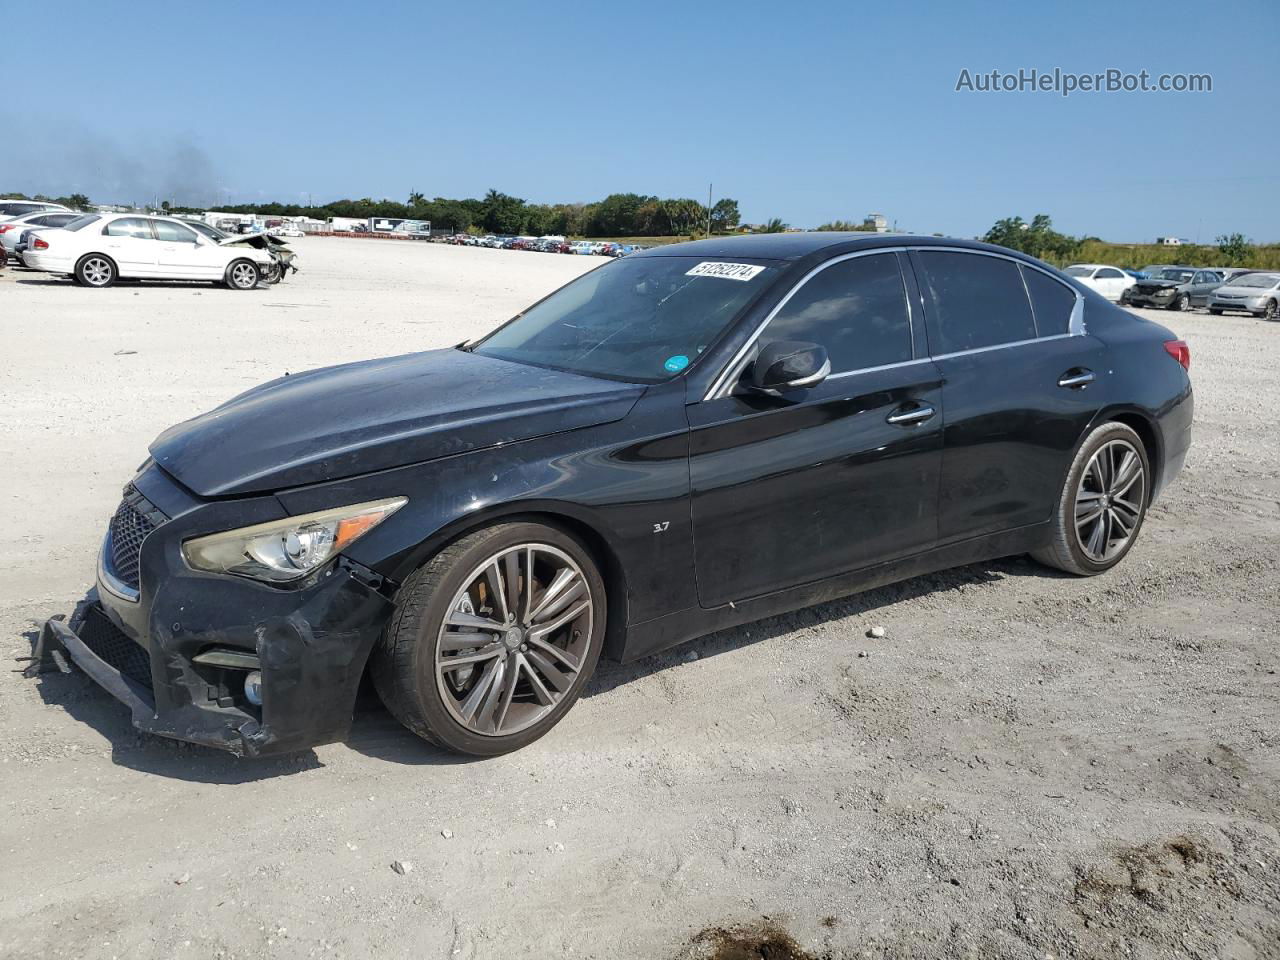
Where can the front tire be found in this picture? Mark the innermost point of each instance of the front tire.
(1102, 504)
(1272, 311)
(243, 275)
(1182, 303)
(96, 270)
(493, 639)
(1215, 311)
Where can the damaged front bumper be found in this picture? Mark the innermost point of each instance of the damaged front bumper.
(177, 653)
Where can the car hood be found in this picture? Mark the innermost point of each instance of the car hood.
(1155, 284)
(1235, 291)
(262, 241)
(358, 418)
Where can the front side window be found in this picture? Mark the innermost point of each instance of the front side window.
(856, 309)
(975, 301)
(170, 232)
(136, 227)
(1051, 302)
(642, 319)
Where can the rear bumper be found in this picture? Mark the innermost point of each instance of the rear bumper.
(46, 263)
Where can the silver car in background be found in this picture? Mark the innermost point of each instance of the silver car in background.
(11, 231)
(1255, 293)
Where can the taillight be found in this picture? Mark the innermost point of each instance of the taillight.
(6, 227)
(1179, 350)
(38, 244)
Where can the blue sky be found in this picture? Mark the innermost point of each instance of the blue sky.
(804, 111)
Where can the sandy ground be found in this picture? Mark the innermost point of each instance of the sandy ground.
(1028, 765)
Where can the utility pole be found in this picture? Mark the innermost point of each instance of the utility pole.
(709, 186)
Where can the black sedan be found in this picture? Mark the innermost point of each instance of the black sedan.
(689, 438)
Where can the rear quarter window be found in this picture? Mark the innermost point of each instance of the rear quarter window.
(974, 301)
(1051, 301)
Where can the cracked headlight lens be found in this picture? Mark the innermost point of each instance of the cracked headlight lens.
(284, 550)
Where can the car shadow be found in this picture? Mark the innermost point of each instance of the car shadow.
(610, 674)
(375, 733)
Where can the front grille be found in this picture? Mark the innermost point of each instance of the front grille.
(134, 519)
(102, 636)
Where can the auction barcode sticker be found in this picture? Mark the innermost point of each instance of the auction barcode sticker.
(725, 271)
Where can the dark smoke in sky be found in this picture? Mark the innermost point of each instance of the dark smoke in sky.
(61, 159)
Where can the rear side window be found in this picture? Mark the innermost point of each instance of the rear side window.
(79, 223)
(18, 209)
(129, 227)
(975, 301)
(1052, 302)
(856, 309)
(1107, 273)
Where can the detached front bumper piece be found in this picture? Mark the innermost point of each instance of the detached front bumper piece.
(190, 685)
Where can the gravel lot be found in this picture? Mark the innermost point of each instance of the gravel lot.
(1027, 765)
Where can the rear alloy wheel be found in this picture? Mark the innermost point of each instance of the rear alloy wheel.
(95, 270)
(243, 275)
(493, 639)
(1102, 505)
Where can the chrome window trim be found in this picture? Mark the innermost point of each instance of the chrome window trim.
(719, 387)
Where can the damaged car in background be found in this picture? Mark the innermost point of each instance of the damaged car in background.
(97, 250)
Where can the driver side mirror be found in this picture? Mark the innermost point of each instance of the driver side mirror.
(789, 365)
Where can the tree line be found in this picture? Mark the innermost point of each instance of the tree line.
(1039, 239)
(617, 215)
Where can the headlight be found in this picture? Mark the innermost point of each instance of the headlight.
(287, 549)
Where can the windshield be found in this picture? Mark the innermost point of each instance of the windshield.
(1182, 276)
(1079, 271)
(1256, 280)
(643, 319)
(79, 223)
(201, 227)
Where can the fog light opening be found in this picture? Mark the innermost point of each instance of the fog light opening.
(253, 687)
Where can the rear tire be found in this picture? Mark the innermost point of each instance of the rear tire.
(242, 275)
(411, 666)
(1102, 504)
(96, 270)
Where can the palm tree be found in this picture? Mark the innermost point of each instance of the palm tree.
(773, 226)
(416, 198)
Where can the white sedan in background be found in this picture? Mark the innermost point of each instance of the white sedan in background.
(99, 249)
(1111, 282)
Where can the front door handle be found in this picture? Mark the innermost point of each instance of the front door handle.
(1076, 378)
(908, 414)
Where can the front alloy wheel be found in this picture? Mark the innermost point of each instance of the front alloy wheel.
(1183, 302)
(243, 275)
(493, 638)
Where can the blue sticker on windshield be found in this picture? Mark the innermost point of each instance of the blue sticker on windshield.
(677, 363)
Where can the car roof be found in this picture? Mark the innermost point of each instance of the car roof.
(796, 246)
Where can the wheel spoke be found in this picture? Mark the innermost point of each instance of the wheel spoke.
(512, 563)
(453, 640)
(1097, 538)
(480, 691)
(1127, 471)
(564, 589)
(540, 692)
(1120, 524)
(464, 659)
(564, 656)
(486, 713)
(546, 629)
(460, 618)
(548, 671)
(497, 589)
(1094, 513)
(511, 680)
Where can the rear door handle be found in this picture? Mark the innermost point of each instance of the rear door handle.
(1074, 379)
(908, 414)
